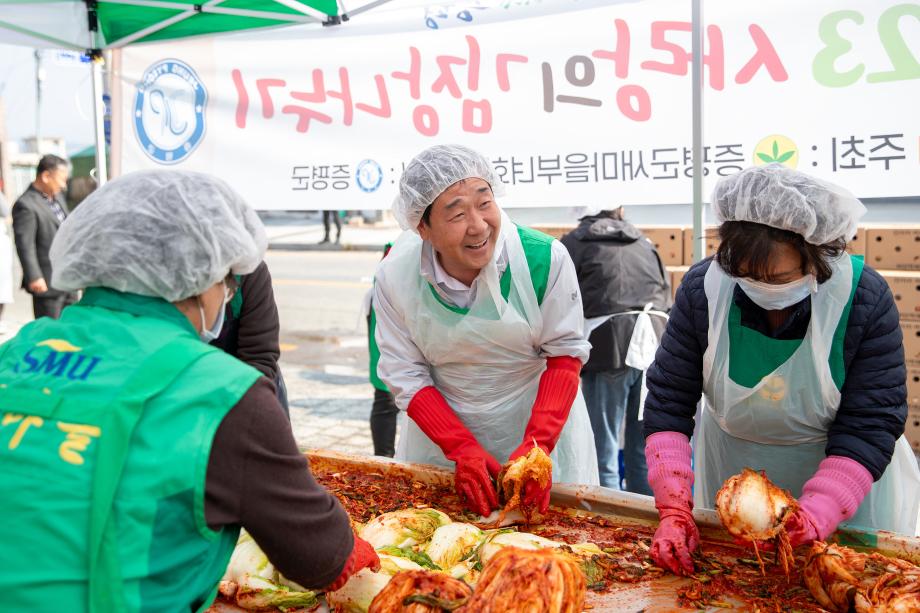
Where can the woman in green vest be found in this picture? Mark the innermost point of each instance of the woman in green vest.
(131, 452)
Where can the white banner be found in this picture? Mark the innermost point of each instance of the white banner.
(589, 105)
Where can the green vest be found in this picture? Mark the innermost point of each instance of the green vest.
(106, 422)
(538, 251)
(753, 356)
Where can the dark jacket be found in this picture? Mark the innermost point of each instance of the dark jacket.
(251, 328)
(873, 403)
(618, 270)
(34, 225)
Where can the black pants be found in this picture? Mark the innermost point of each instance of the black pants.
(334, 216)
(51, 305)
(383, 423)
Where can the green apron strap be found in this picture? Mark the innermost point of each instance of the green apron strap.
(158, 371)
(236, 303)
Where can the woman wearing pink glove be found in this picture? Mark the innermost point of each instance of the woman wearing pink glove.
(797, 351)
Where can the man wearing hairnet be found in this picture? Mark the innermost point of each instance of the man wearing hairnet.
(796, 348)
(480, 330)
(132, 451)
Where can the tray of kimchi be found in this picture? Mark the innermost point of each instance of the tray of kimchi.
(438, 557)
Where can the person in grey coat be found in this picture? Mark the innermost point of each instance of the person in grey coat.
(36, 217)
(619, 273)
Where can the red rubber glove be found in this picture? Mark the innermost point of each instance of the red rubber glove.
(831, 496)
(555, 395)
(475, 468)
(670, 475)
(362, 556)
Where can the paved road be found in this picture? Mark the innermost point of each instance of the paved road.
(324, 344)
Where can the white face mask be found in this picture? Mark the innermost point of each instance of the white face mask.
(211, 334)
(778, 297)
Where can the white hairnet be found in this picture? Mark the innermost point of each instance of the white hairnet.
(779, 197)
(166, 233)
(434, 170)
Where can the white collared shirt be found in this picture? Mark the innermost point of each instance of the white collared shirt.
(402, 365)
(453, 291)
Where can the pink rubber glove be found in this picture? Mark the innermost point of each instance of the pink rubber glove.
(670, 475)
(831, 496)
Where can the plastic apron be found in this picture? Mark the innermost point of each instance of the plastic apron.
(640, 353)
(780, 425)
(485, 361)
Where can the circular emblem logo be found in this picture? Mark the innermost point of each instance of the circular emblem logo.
(169, 111)
(368, 175)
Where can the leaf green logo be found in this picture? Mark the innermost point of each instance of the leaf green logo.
(776, 149)
(777, 156)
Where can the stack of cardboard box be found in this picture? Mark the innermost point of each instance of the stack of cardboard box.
(894, 251)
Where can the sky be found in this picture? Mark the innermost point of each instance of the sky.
(66, 97)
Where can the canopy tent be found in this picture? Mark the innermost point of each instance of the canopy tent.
(98, 25)
(94, 26)
(109, 24)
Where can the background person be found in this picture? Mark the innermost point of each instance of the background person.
(37, 215)
(331, 216)
(250, 328)
(384, 410)
(619, 273)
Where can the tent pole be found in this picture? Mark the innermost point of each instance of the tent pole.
(99, 118)
(699, 241)
(39, 80)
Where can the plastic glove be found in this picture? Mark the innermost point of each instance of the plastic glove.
(800, 529)
(362, 556)
(555, 395)
(474, 479)
(831, 496)
(475, 469)
(670, 476)
(676, 537)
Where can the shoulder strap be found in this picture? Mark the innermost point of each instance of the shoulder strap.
(236, 304)
(838, 370)
(538, 249)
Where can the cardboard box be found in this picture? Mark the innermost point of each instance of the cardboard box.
(857, 246)
(669, 241)
(912, 427)
(677, 275)
(893, 248)
(911, 330)
(712, 242)
(557, 231)
(905, 286)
